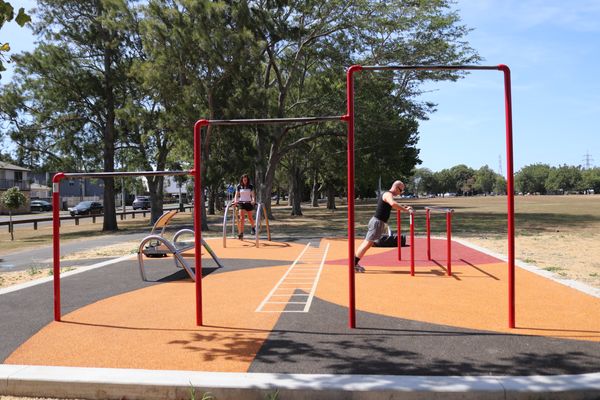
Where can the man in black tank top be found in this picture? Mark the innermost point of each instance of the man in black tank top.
(377, 223)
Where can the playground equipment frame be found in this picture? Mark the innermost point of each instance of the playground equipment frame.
(257, 223)
(349, 118)
(198, 178)
(428, 210)
(56, 217)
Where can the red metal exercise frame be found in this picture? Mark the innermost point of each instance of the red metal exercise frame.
(197, 176)
(56, 217)
(349, 117)
(448, 212)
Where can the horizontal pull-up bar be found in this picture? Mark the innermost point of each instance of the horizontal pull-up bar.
(272, 121)
(430, 67)
(67, 175)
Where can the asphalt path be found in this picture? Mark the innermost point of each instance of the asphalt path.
(41, 257)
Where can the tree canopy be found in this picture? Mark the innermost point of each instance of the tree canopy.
(119, 83)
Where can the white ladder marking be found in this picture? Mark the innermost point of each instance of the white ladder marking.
(303, 276)
(272, 292)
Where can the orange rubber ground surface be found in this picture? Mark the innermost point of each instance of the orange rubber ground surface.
(154, 327)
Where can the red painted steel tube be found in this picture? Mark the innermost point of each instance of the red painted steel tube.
(349, 118)
(412, 244)
(510, 196)
(198, 215)
(123, 173)
(274, 121)
(429, 67)
(449, 241)
(56, 242)
(428, 227)
(399, 229)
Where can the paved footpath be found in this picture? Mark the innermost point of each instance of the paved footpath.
(41, 257)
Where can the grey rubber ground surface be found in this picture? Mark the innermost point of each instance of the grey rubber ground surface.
(321, 342)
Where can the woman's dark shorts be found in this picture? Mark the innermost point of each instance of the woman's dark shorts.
(246, 206)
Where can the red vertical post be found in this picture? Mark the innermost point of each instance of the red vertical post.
(56, 242)
(399, 229)
(197, 171)
(349, 117)
(510, 196)
(412, 243)
(449, 241)
(428, 227)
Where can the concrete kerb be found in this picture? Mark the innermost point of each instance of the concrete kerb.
(107, 383)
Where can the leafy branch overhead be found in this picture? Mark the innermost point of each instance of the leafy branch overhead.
(7, 14)
(118, 84)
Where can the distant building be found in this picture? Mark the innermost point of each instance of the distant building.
(14, 176)
(72, 191)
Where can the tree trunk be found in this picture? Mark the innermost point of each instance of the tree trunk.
(314, 193)
(265, 177)
(11, 227)
(330, 197)
(296, 186)
(155, 187)
(211, 200)
(110, 214)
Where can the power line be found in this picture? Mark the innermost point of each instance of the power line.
(587, 160)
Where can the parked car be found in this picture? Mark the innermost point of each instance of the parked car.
(141, 202)
(86, 208)
(40, 205)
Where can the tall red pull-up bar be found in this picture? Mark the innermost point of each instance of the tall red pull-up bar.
(349, 117)
(197, 177)
(56, 217)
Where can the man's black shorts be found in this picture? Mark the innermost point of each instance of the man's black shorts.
(246, 206)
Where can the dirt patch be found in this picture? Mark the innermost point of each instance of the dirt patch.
(117, 250)
(15, 277)
(569, 256)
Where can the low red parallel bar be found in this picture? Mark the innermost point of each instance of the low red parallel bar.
(399, 229)
(412, 244)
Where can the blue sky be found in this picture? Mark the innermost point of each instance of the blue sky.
(553, 50)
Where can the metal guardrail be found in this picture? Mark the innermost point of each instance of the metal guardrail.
(122, 216)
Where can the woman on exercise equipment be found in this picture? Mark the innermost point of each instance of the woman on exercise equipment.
(245, 199)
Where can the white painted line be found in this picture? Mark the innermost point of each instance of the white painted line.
(276, 287)
(287, 295)
(582, 287)
(79, 270)
(286, 302)
(314, 287)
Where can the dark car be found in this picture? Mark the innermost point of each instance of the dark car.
(141, 202)
(40, 205)
(85, 208)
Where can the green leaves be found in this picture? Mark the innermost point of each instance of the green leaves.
(22, 17)
(13, 198)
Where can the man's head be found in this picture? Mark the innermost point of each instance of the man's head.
(397, 188)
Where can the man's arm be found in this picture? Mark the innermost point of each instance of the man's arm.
(389, 198)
